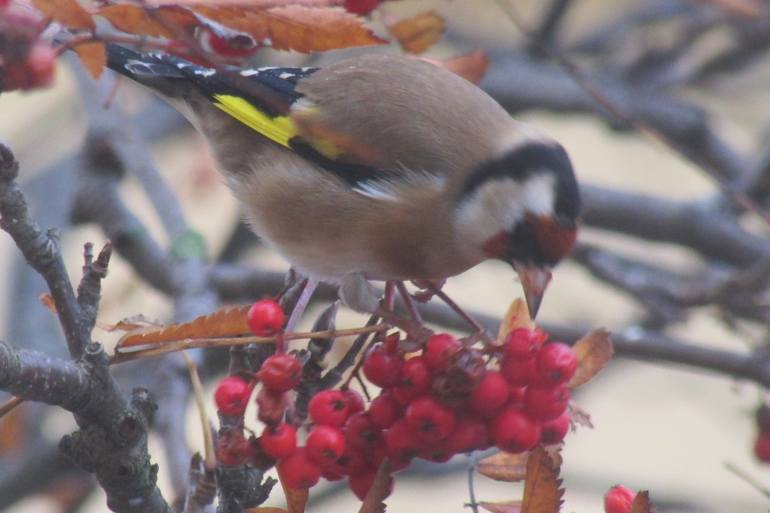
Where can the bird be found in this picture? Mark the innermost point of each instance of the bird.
(378, 167)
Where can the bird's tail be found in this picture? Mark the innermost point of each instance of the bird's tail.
(157, 71)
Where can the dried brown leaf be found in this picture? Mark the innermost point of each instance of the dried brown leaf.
(93, 55)
(47, 300)
(418, 33)
(593, 351)
(509, 467)
(136, 19)
(517, 316)
(374, 502)
(502, 506)
(641, 503)
(542, 487)
(579, 417)
(750, 9)
(226, 322)
(66, 12)
(296, 27)
(131, 323)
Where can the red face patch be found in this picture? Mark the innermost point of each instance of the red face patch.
(555, 240)
(498, 245)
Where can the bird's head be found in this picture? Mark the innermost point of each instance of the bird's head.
(522, 207)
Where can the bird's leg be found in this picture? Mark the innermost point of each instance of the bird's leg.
(292, 278)
(426, 289)
(410, 306)
(479, 329)
(302, 302)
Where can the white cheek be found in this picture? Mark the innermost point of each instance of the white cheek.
(501, 204)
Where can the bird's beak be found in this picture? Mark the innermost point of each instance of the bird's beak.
(534, 280)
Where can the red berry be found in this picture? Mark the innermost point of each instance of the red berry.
(298, 470)
(325, 445)
(523, 344)
(546, 402)
(517, 395)
(271, 406)
(556, 363)
(265, 318)
(278, 441)
(235, 44)
(381, 367)
(518, 372)
(762, 447)
(514, 431)
(232, 447)
(232, 396)
(437, 453)
(329, 407)
(355, 401)
(361, 483)
(618, 499)
(555, 430)
(280, 373)
(490, 394)
(414, 381)
(402, 444)
(361, 7)
(440, 350)
(351, 462)
(361, 433)
(384, 410)
(429, 419)
(41, 61)
(470, 434)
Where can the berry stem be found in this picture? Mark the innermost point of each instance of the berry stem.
(482, 333)
(471, 488)
(207, 343)
(410, 306)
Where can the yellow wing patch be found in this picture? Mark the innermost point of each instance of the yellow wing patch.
(279, 129)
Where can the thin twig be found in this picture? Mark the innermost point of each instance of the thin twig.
(210, 461)
(751, 481)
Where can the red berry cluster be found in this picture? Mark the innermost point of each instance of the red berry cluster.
(762, 443)
(618, 499)
(26, 61)
(446, 399)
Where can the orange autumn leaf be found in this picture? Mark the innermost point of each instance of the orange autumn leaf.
(47, 300)
(93, 55)
(296, 498)
(641, 503)
(67, 12)
(542, 487)
(472, 66)
(511, 468)
(502, 506)
(297, 27)
(136, 19)
(418, 33)
(593, 351)
(131, 323)
(374, 502)
(225, 322)
(13, 431)
(517, 316)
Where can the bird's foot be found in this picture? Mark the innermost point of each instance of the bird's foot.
(427, 289)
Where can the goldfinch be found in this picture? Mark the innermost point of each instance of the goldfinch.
(378, 167)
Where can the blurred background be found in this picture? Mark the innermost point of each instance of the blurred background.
(695, 72)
